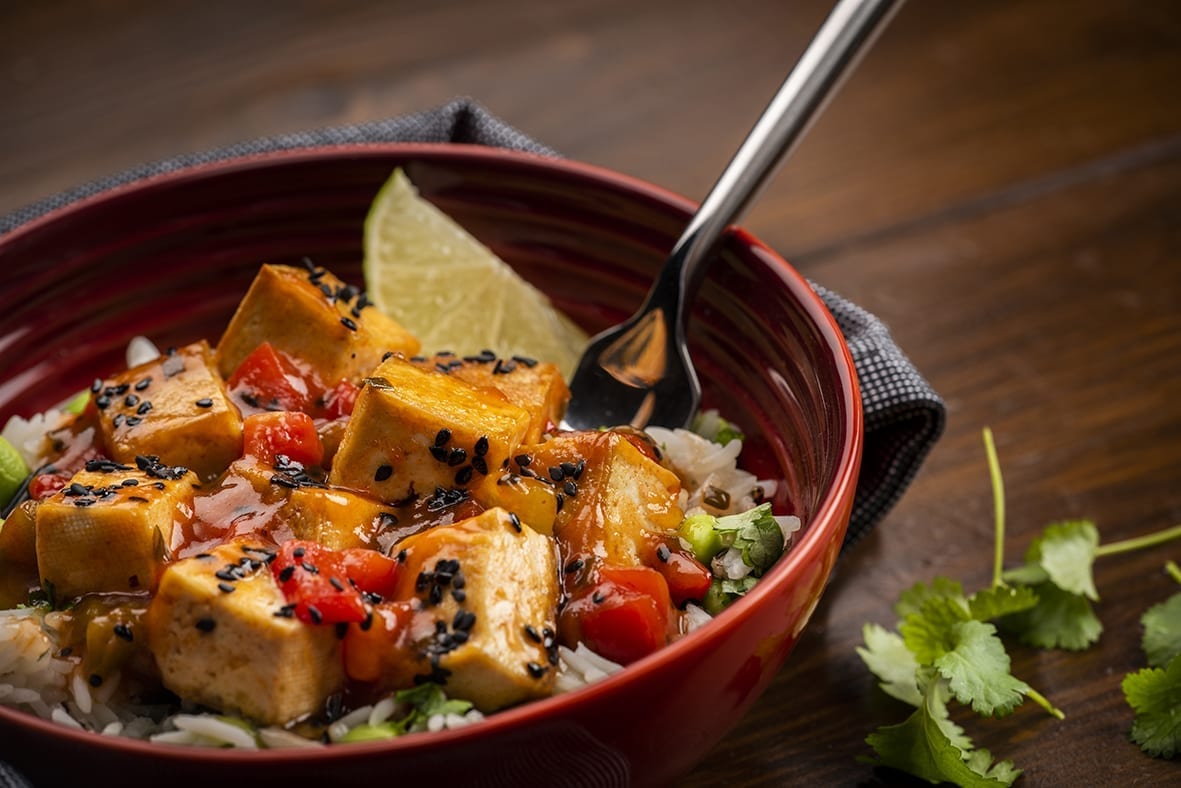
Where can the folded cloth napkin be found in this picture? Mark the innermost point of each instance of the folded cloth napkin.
(903, 414)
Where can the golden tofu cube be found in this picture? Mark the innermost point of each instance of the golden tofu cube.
(316, 318)
(415, 430)
(174, 408)
(538, 387)
(613, 497)
(219, 639)
(493, 585)
(18, 544)
(110, 529)
(336, 518)
(535, 501)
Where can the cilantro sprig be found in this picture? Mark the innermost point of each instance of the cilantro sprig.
(1154, 693)
(945, 646)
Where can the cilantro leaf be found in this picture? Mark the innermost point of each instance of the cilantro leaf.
(1066, 551)
(930, 632)
(1060, 619)
(1155, 695)
(426, 701)
(990, 603)
(1162, 631)
(921, 746)
(977, 670)
(756, 534)
(911, 600)
(888, 658)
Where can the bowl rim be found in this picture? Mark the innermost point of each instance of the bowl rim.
(826, 524)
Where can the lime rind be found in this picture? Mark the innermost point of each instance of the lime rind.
(12, 471)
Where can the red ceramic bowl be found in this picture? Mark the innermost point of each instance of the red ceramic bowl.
(170, 257)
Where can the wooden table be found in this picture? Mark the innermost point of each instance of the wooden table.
(1000, 182)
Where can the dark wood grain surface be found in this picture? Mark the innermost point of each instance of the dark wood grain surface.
(1000, 182)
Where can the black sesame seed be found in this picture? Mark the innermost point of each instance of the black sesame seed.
(117, 421)
(144, 383)
(662, 553)
(535, 670)
(315, 614)
(205, 402)
(532, 633)
(458, 580)
(559, 502)
(124, 632)
(95, 680)
(206, 624)
(440, 453)
(528, 473)
(225, 588)
(299, 552)
(457, 457)
(481, 447)
(342, 629)
(442, 437)
(287, 611)
(348, 323)
(464, 475)
(129, 483)
(570, 487)
(133, 421)
(435, 595)
(144, 407)
(597, 598)
(285, 573)
(458, 594)
(131, 401)
(383, 472)
(464, 620)
(82, 502)
(335, 581)
(574, 566)
(310, 568)
(367, 624)
(96, 386)
(516, 521)
(102, 402)
(401, 557)
(523, 460)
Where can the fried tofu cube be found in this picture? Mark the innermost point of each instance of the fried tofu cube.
(174, 408)
(18, 544)
(613, 496)
(538, 387)
(492, 649)
(229, 649)
(109, 530)
(335, 518)
(414, 430)
(315, 317)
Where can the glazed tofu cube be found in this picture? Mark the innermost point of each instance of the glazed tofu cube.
(174, 408)
(538, 387)
(493, 585)
(316, 318)
(18, 536)
(336, 518)
(414, 430)
(243, 501)
(109, 530)
(216, 638)
(612, 496)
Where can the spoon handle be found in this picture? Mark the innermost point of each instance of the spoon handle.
(844, 36)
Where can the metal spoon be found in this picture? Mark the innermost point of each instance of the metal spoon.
(639, 372)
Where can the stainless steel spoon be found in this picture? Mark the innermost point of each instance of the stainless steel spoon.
(639, 372)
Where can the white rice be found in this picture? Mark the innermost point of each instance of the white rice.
(141, 350)
(28, 435)
(581, 666)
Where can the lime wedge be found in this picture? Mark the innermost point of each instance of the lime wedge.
(451, 291)
(12, 471)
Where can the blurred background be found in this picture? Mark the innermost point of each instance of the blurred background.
(1000, 181)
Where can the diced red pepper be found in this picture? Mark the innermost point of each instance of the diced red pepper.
(44, 485)
(624, 616)
(688, 579)
(340, 399)
(267, 435)
(326, 586)
(269, 380)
